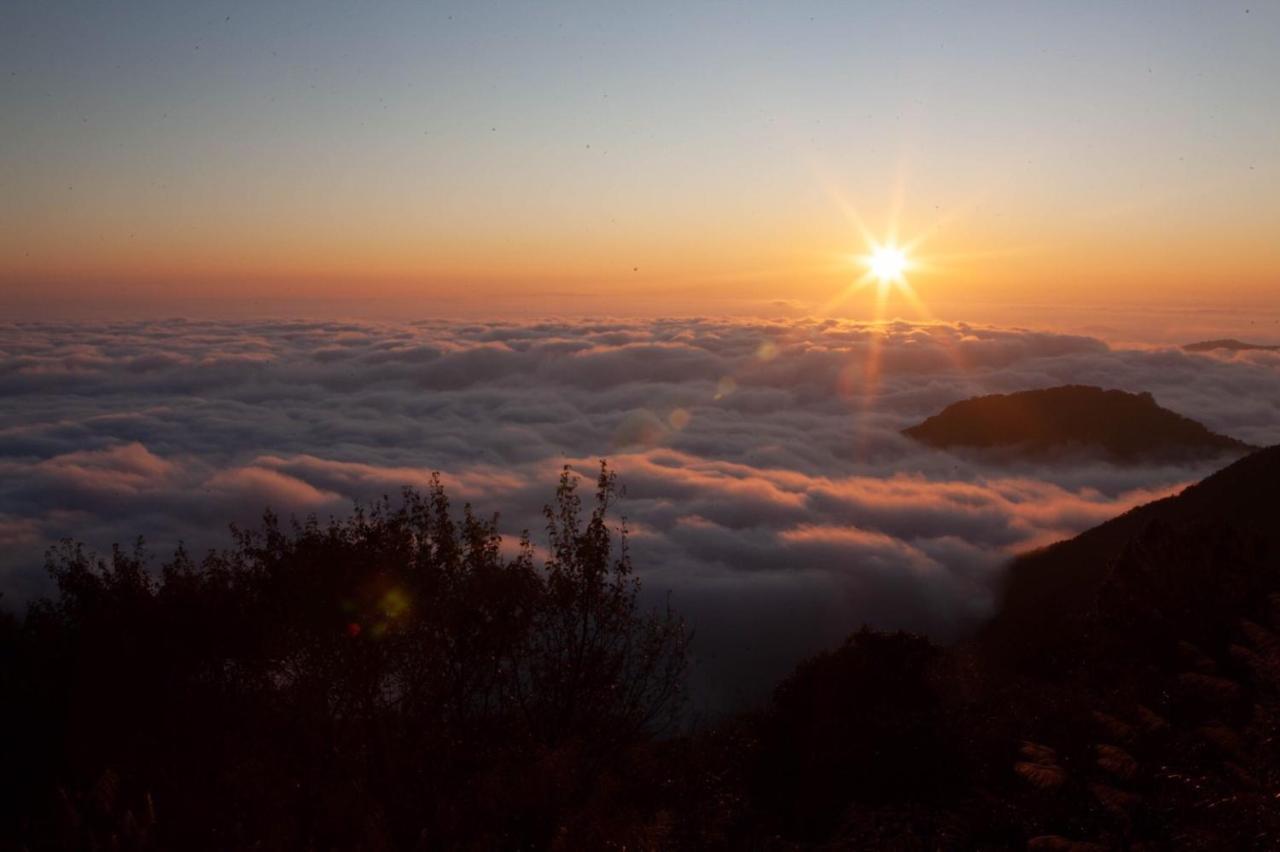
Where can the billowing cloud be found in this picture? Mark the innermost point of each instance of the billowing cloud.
(267, 486)
(768, 488)
(120, 469)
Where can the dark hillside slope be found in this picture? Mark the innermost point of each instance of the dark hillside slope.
(1049, 589)
(1142, 709)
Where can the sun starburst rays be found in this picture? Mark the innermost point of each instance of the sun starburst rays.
(886, 264)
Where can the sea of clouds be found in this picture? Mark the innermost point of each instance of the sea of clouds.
(768, 490)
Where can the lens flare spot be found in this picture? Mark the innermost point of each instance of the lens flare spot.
(395, 603)
(641, 428)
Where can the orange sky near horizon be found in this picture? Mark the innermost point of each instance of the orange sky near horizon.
(808, 259)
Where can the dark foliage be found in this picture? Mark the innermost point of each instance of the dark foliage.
(867, 722)
(387, 681)
(392, 681)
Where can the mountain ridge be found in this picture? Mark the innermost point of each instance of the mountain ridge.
(1050, 587)
(1069, 420)
(1228, 343)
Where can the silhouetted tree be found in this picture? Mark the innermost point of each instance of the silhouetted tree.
(398, 678)
(867, 723)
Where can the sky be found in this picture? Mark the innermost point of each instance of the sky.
(725, 158)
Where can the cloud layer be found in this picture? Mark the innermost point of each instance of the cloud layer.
(768, 489)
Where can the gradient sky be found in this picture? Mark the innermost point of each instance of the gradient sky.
(716, 155)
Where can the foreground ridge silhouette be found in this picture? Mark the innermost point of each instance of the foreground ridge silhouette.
(393, 681)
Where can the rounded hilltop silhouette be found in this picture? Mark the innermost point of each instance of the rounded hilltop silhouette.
(1073, 420)
(1231, 344)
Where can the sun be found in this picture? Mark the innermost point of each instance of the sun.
(887, 264)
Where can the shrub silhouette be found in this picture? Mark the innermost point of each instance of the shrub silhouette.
(867, 722)
(393, 679)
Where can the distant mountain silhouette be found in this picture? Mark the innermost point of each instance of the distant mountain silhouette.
(1228, 343)
(1124, 427)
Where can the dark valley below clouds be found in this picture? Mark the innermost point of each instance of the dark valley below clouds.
(770, 494)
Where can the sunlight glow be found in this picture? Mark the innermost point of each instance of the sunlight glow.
(887, 264)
